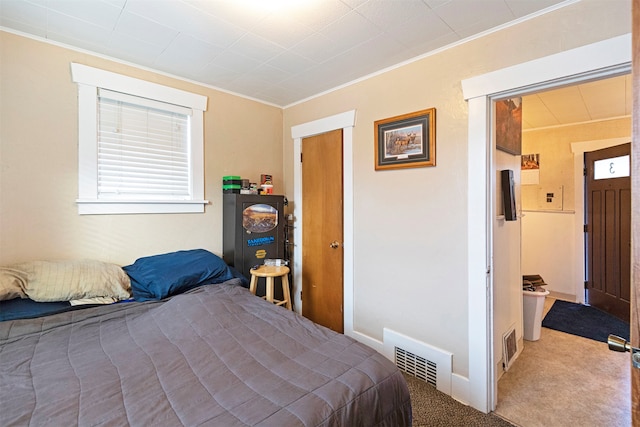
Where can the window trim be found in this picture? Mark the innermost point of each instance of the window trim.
(89, 79)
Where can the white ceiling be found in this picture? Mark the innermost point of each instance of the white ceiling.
(284, 51)
(598, 100)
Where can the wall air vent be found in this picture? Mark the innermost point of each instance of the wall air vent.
(424, 361)
(417, 366)
(509, 348)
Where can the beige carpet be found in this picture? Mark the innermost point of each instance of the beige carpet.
(433, 408)
(566, 380)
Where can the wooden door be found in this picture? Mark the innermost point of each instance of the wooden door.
(608, 230)
(635, 203)
(322, 230)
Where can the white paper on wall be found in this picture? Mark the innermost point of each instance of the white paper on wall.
(550, 198)
(530, 176)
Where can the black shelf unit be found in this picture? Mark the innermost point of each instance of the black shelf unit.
(254, 229)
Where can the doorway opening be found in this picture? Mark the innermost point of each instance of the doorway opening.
(602, 59)
(346, 122)
(550, 235)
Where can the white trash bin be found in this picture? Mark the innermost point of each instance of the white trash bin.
(533, 306)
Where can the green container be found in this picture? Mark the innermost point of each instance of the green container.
(231, 187)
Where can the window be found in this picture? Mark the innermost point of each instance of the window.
(140, 145)
(615, 167)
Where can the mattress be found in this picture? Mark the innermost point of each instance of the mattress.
(215, 355)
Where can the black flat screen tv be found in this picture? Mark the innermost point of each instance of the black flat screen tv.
(508, 195)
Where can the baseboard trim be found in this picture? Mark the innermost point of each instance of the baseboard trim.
(367, 340)
(562, 296)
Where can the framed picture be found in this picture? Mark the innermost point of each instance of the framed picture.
(509, 125)
(407, 141)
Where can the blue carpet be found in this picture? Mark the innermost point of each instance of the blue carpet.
(584, 321)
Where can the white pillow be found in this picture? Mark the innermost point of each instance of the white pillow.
(74, 279)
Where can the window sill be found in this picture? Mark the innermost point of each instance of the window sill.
(112, 207)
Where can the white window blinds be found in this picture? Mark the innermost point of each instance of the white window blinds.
(140, 145)
(143, 148)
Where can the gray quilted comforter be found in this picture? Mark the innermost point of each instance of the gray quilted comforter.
(216, 356)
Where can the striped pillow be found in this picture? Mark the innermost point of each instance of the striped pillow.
(12, 284)
(74, 279)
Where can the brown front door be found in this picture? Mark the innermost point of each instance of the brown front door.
(608, 236)
(322, 234)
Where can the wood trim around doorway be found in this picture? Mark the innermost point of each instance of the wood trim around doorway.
(635, 212)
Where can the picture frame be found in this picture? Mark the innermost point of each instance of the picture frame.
(509, 125)
(406, 141)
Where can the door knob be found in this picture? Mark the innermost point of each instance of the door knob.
(617, 343)
(334, 245)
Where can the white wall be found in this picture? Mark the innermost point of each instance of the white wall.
(507, 278)
(548, 249)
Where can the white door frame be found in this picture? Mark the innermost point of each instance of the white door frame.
(598, 60)
(345, 121)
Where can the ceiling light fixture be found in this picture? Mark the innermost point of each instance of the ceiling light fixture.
(271, 5)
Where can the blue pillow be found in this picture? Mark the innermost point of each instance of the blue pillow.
(159, 276)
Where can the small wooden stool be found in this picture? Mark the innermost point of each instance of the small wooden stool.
(269, 272)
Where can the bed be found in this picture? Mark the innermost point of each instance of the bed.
(213, 354)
